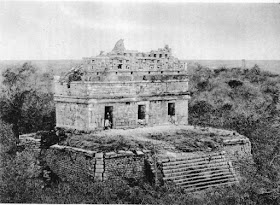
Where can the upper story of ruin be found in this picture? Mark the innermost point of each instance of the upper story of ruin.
(125, 73)
(133, 63)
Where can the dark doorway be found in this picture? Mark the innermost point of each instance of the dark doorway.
(171, 109)
(141, 112)
(108, 122)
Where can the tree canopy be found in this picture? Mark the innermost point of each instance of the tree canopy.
(23, 103)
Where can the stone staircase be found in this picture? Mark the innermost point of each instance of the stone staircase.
(200, 172)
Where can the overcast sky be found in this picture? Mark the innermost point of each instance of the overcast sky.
(72, 30)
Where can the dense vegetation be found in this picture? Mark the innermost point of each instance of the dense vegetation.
(245, 100)
(26, 101)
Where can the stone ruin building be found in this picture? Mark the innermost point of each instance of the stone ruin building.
(149, 93)
(128, 88)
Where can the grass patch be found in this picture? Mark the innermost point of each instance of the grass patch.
(104, 143)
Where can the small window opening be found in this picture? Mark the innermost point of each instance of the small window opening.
(127, 103)
(120, 66)
(97, 73)
(149, 72)
(155, 55)
(178, 71)
(166, 55)
(116, 72)
(171, 109)
(141, 112)
(131, 72)
(160, 55)
(161, 72)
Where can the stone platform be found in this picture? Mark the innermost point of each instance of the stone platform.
(170, 140)
(194, 158)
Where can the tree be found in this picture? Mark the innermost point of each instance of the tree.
(22, 104)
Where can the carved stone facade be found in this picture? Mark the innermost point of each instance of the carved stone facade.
(124, 89)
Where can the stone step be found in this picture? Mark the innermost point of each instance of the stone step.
(195, 158)
(185, 163)
(192, 189)
(184, 174)
(193, 168)
(192, 171)
(198, 182)
(205, 177)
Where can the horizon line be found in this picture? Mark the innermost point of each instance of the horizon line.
(178, 58)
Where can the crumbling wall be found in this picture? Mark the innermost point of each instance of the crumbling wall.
(132, 88)
(124, 87)
(78, 165)
(72, 115)
(125, 114)
(238, 149)
(125, 165)
(74, 89)
(182, 112)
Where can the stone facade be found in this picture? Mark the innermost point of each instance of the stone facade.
(79, 165)
(127, 88)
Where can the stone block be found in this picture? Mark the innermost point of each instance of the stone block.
(172, 159)
(99, 155)
(129, 152)
(121, 152)
(110, 154)
(98, 176)
(139, 152)
(99, 162)
(99, 170)
(99, 166)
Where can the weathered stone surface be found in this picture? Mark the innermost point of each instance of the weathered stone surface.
(129, 153)
(99, 166)
(128, 79)
(99, 162)
(139, 152)
(99, 155)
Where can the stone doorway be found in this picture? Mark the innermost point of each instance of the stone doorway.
(108, 122)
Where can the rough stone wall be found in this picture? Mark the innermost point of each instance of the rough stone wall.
(70, 165)
(125, 114)
(76, 88)
(238, 149)
(121, 88)
(125, 167)
(181, 108)
(72, 115)
(78, 165)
